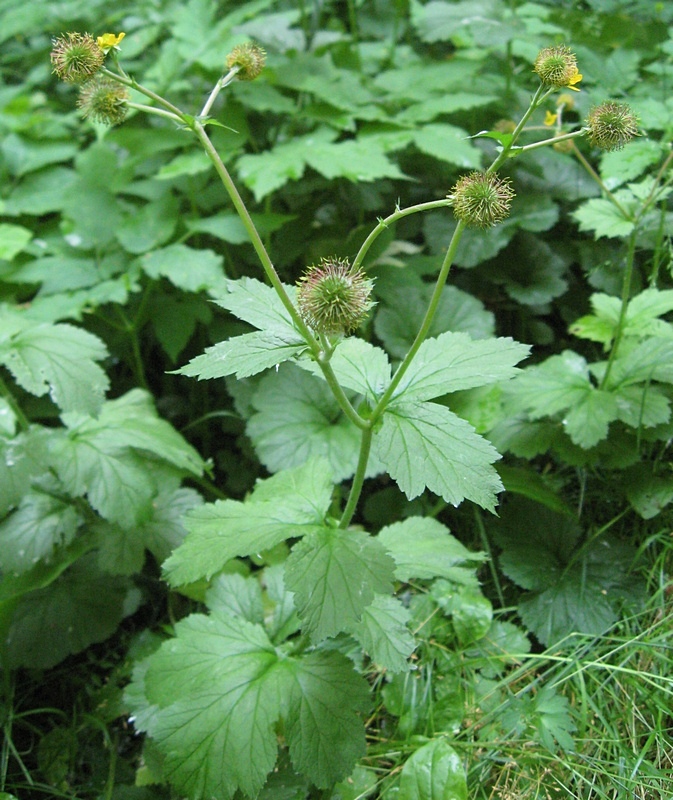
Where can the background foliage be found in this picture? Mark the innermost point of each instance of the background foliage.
(540, 655)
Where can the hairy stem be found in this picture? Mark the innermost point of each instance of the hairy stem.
(358, 478)
(626, 294)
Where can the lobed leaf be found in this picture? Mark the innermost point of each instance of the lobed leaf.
(334, 575)
(424, 445)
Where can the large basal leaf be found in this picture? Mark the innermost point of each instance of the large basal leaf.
(424, 445)
(80, 607)
(334, 575)
(405, 301)
(106, 458)
(218, 690)
(187, 268)
(324, 731)
(59, 359)
(39, 524)
(121, 550)
(563, 383)
(571, 589)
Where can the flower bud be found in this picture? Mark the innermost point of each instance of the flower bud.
(557, 66)
(103, 100)
(249, 58)
(333, 298)
(611, 125)
(76, 57)
(481, 200)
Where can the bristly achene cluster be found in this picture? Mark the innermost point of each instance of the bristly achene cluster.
(481, 199)
(611, 125)
(334, 298)
(76, 57)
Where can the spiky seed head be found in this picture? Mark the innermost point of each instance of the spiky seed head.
(76, 57)
(611, 125)
(103, 100)
(481, 200)
(556, 66)
(250, 59)
(334, 298)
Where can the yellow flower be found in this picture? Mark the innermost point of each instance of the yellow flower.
(576, 77)
(549, 118)
(108, 41)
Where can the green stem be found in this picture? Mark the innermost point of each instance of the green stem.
(626, 294)
(158, 112)
(554, 139)
(132, 84)
(540, 95)
(425, 325)
(320, 356)
(253, 233)
(399, 213)
(224, 81)
(358, 478)
(587, 166)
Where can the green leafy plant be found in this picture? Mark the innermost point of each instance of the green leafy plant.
(331, 632)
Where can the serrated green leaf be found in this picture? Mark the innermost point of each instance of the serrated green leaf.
(106, 458)
(434, 772)
(504, 643)
(384, 635)
(334, 575)
(558, 383)
(642, 406)
(298, 419)
(121, 551)
(571, 589)
(41, 193)
(588, 420)
(452, 362)
(186, 268)
(652, 360)
(218, 736)
(231, 688)
(80, 607)
(624, 165)
(225, 529)
(258, 304)
(39, 525)
(423, 548)
(405, 302)
(244, 355)
(185, 164)
(234, 595)
(647, 492)
(358, 366)
(21, 458)
(59, 359)
(150, 226)
(424, 445)
(471, 613)
(603, 218)
(324, 732)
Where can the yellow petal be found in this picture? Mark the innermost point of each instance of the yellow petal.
(576, 78)
(109, 40)
(550, 118)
